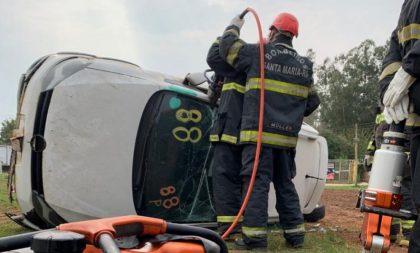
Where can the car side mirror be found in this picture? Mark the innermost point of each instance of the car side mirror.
(194, 79)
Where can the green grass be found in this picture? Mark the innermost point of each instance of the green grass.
(327, 242)
(345, 187)
(8, 227)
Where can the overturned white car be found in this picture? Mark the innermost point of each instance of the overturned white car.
(100, 137)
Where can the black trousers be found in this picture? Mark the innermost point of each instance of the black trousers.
(227, 184)
(278, 166)
(415, 177)
(406, 191)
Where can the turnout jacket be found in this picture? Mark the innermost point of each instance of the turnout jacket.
(390, 64)
(226, 126)
(288, 82)
(408, 49)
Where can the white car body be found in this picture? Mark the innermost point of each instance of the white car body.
(80, 155)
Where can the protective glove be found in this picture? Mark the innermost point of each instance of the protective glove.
(397, 113)
(237, 21)
(398, 87)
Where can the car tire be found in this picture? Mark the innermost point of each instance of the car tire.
(317, 214)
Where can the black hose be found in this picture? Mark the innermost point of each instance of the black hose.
(17, 241)
(107, 244)
(180, 229)
(243, 14)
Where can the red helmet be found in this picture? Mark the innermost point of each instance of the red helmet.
(286, 22)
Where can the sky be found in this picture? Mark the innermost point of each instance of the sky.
(172, 36)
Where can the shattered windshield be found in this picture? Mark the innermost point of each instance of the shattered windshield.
(175, 174)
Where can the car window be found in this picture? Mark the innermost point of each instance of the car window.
(173, 182)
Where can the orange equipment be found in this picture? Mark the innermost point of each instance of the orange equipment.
(382, 200)
(121, 234)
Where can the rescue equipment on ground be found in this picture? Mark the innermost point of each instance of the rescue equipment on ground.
(121, 234)
(381, 201)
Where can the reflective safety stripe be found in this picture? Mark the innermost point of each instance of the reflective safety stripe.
(390, 69)
(229, 138)
(269, 138)
(371, 147)
(407, 224)
(380, 118)
(214, 137)
(298, 229)
(233, 51)
(233, 86)
(409, 32)
(413, 120)
(279, 87)
(228, 219)
(254, 231)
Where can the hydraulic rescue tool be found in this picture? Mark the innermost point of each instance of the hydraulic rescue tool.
(121, 234)
(381, 201)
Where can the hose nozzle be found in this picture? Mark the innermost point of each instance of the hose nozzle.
(243, 13)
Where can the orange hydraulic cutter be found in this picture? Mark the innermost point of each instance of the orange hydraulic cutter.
(382, 200)
(122, 234)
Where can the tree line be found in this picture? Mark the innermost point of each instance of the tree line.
(348, 87)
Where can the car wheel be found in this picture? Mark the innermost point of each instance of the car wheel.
(317, 214)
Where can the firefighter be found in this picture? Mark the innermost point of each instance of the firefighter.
(376, 139)
(404, 88)
(390, 65)
(224, 135)
(288, 98)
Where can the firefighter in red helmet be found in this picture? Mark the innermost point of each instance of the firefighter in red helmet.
(289, 97)
(286, 22)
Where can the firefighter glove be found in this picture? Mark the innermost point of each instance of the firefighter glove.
(398, 112)
(237, 21)
(398, 87)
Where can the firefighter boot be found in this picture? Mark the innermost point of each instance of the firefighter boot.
(295, 236)
(253, 244)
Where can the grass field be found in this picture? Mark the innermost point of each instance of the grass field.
(346, 186)
(7, 227)
(324, 241)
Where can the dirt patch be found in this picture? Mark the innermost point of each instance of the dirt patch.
(342, 216)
